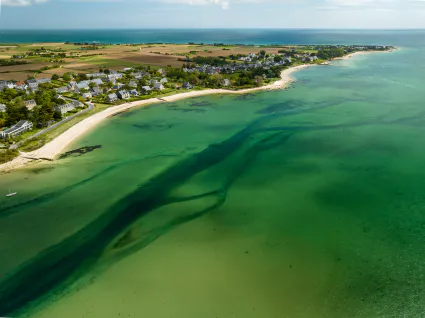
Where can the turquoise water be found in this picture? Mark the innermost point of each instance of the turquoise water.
(306, 202)
(231, 36)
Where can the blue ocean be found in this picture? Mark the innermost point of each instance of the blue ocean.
(229, 36)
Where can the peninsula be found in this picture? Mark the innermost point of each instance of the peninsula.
(52, 93)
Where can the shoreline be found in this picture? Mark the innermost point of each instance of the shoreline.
(359, 53)
(54, 148)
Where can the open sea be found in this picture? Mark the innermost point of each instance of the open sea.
(301, 203)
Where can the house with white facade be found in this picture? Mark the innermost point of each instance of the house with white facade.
(134, 93)
(158, 87)
(87, 95)
(112, 98)
(123, 94)
(146, 89)
(30, 104)
(17, 129)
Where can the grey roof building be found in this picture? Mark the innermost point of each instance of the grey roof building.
(83, 85)
(2, 108)
(187, 85)
(134, 92)
(97, 81)
(158, 87)
(112, 98)
(95, 91)
(123, 94)
(17, 129)
(87, 95)
(68, 107)
(43, 80)
(61, 90)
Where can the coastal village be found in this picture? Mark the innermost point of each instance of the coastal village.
(31, 106)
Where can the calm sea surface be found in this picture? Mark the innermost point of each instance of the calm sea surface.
(239, 36)
(302, 203)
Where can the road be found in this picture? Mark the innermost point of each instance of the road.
(63, 121)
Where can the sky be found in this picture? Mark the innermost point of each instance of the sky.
(87, 14)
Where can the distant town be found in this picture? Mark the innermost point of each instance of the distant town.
(29, 106)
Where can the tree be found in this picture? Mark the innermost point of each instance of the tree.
(216, 79)
(259, 80)
(57, 115)
(55, 77)
(82, 77)
(15, 113)
(193, 79)
(66, 77)
(10, 93)
(262, 53)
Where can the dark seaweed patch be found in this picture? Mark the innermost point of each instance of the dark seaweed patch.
(202, 103)
(40, 170)
(246, 97)
(187, 110)
(80, 151)
(279, 108)
(153, 125)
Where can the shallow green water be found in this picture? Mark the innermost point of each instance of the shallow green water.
(307, 202)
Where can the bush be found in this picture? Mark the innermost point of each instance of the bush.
(8, 155)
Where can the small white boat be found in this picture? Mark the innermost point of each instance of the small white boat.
(11, 194)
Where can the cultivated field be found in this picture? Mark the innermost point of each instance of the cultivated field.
(83, 58)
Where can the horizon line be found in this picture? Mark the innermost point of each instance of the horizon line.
(214, 28)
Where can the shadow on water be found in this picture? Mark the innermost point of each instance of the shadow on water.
(82, 249)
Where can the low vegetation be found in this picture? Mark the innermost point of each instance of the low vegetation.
(8, 155)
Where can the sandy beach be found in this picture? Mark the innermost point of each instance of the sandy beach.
(53, 149)
(349, 56)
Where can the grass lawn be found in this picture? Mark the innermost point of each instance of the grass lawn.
(105, 62)
(39, 142)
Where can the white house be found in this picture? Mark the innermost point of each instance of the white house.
(2, 108)
(134, 92)
(63, 109)
(61, 90)
(95, 91)
(158, 87)
(72, 85)
(17, 129)
(43, 80)
(68, 107)
(83, 85)
(97, 81)
(30, 104)
(112, 98)
(123, 94)
(187, 85)
(146, 89)
(87, 95)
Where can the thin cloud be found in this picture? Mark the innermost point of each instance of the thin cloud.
(21, 3)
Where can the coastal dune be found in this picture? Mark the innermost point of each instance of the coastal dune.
(53, 149)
